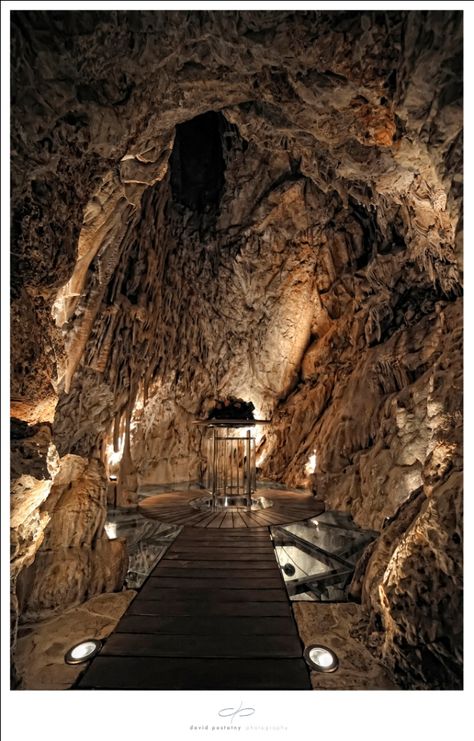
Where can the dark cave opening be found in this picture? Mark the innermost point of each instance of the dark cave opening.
(197, 164)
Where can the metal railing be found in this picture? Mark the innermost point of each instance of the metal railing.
(231, 472)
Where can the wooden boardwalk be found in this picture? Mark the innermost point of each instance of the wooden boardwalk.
(214, 614)
(175, 507)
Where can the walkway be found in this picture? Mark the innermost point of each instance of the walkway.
(213, 615)
(176, 507)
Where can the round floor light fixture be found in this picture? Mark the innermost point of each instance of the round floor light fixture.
(289, 569)
(321, 658)
(83, 651)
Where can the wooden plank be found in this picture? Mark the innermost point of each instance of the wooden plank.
(175, 518)
(216, 565)
(236, 545)
(253, 517)
(199, 626)
(166, 503)
(240, 582)
(205, 521)
(229, 534)
(217, 520)
(176, 512)
(290, 509)
(257, 545)
(195, 518)
(175, 497)
(215, 602)
(205, 647)
(250, 523)
(215, 595)
(221, 537)
(213, 522)
(235, 532)
(213, 573)
(300, 513)
(138, 673)
(185, 607)
(227, 521)
(269, 517)
(196, 533)
(239, 522)
(205, 554)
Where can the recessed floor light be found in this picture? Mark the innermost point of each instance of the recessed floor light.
(83, 651)
(289, 569)
(321, 658)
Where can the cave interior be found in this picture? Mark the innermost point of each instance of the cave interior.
(214, 208)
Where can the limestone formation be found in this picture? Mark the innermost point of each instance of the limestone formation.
(76, 559)
(337, 626)
(259, 204)
(42, 647)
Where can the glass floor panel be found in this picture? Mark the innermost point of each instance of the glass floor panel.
(147, 542)
(317, 557)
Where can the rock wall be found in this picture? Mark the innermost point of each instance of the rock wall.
(60, 554)
(34, 462)
(388, 442)
(76, 560)
(305, 254)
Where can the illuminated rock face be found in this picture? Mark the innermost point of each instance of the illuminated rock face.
(34, 462)
(263, 204)
(76, 559)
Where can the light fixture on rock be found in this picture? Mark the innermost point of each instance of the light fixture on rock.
(321, 658)
(111, 530)
(83, 651)
(310, 466)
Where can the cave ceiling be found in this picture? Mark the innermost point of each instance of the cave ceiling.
(331, 127)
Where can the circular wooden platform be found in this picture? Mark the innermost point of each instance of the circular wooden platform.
(174, 507)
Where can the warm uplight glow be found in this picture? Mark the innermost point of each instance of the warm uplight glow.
(111, 530)
(115, 456)
(258, 434)
(242, 432)
(310, 467)
(261, 458)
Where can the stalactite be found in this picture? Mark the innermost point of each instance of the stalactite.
(116, 432)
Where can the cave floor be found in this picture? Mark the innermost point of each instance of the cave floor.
(214, 614)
